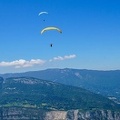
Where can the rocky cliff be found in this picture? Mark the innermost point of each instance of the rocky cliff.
(19, 113)
(93, 115)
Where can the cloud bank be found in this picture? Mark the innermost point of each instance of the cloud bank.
(25, 63)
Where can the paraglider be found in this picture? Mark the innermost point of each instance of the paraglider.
(41, 13)
(51, 28)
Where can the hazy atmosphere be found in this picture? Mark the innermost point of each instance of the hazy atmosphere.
(90, 37)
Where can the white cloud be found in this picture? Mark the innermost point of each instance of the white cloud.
(63, 58)
(22, 63)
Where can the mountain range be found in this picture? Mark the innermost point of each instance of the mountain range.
(101, 82)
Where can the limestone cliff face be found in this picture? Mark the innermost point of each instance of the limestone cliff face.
(93, 115)
(15, 113)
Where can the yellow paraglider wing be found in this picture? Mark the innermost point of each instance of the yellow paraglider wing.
(51, 28)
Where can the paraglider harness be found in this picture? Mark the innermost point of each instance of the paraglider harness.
(51, 45)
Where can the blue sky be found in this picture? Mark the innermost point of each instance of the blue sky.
(90, 38)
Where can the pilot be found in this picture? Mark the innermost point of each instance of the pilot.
(51, 45)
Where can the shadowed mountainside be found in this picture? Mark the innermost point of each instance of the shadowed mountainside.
(37, 93)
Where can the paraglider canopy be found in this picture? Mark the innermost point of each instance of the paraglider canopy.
(51, 28)
(42, 13)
